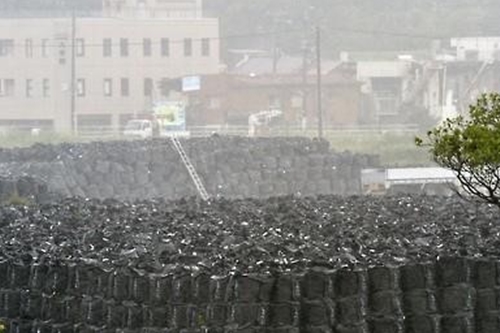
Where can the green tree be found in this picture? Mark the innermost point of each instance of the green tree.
(470, 146)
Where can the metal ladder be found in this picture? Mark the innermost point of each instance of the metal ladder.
(190, 168)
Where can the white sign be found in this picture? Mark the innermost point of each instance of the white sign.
(191, 83)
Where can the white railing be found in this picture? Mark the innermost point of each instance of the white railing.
(89, 133)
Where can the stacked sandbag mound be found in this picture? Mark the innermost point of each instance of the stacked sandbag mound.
(231, 167)
(323, 264)
(24, 190)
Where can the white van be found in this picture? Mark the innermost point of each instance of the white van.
(139, 128)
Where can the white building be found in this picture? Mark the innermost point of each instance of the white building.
(119, 60)
(477, 48)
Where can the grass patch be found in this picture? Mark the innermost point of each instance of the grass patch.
(394, 149)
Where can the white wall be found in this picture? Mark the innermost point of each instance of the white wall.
(94, 67)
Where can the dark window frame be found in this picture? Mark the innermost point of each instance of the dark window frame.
(188, 47)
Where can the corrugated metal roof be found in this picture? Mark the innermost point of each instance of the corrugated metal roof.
(264, 65)
(417, 175)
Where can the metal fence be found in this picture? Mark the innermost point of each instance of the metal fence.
(109, 133)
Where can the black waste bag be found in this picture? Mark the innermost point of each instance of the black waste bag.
(57, 279)
(21, 327)
(31, 305)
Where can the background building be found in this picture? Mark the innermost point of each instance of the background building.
(119, 59)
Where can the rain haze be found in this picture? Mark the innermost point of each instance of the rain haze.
(249, 165)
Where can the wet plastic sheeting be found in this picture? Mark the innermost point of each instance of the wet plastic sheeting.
(353, 264)
(232, 167)
(247, 236)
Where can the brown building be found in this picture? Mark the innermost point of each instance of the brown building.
(229, 99)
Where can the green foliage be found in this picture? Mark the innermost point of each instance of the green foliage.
(470, 146)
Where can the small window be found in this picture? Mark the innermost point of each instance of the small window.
(146, 47)
(29, 88)
(107, 50)
(188, 47)
(80, 47)
(46, 88)
(125, 87)
(163, 87)
(62, 53)
(45, 48)
(205, 47)
(108, 87)
(28, 48)
(148, 87)
(6, 47)
(80, 88)
(124, 47)
(7, 87)
(165, 47)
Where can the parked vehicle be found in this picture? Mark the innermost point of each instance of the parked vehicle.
(139, 128)
(166, 119)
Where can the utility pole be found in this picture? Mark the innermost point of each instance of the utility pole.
(73, 73)
(304, 85)
(318, 83)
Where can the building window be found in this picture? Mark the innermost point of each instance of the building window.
(46, 88)
(28, 48)
(45, 48)
(163, 87)
(7, 87)
(6, 47)
(80, 88)
(386, 103)
(205, 47)
(107, 47)
(148, 86)
(124, 86)
(29, 88)
(80, 47)
(108, 87)
(165, 47)
(274, 102)
(124, 47)
(188, 47)
(146, 47)
(62, 53)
